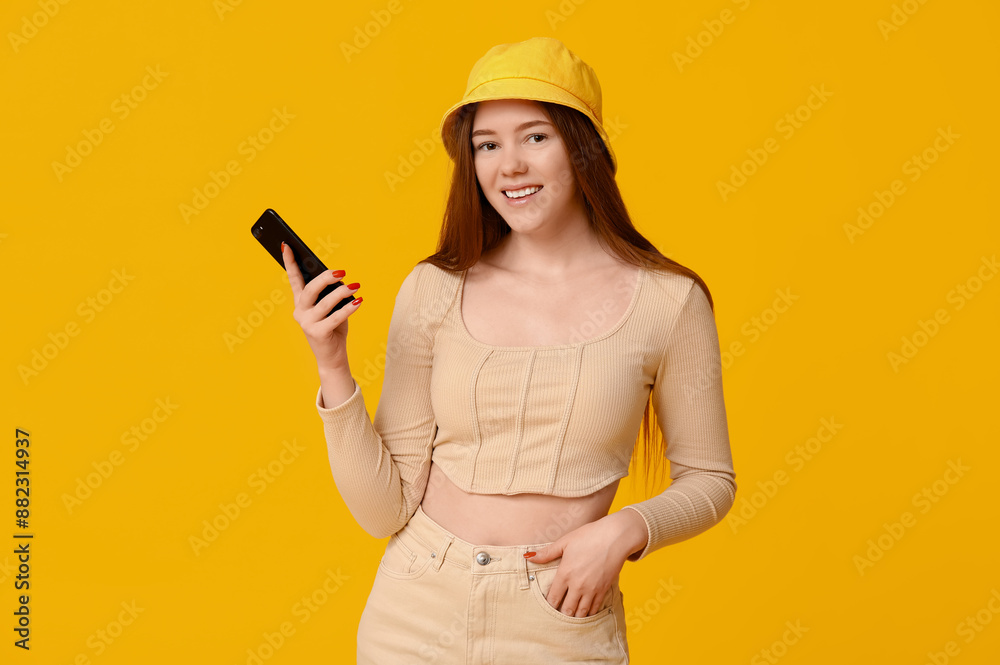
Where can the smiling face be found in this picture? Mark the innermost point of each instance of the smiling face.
(523, 166)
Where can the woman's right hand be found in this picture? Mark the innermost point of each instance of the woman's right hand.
(327, 335)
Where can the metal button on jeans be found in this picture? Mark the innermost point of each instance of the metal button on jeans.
(483, 558)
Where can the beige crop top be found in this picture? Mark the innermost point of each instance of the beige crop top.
(559, 420)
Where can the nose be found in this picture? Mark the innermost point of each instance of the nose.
(512, 162)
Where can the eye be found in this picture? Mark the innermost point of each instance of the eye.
(484, 143)
(541, 135)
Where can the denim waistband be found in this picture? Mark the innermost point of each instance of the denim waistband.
(479, 559)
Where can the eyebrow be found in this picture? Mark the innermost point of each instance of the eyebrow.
(523, 125)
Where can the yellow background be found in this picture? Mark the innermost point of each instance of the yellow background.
(355, 119)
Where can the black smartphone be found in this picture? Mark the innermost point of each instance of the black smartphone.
(271, 230)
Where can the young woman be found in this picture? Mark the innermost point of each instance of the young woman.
(523, 357)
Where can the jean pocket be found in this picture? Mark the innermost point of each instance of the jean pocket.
(405, 557)
(540, 588)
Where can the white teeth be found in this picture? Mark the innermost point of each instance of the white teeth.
(521, 192)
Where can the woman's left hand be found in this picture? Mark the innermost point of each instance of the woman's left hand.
(592, 559)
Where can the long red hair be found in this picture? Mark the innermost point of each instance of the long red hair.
(472, 227)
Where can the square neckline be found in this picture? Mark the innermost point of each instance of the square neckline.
(640, 277)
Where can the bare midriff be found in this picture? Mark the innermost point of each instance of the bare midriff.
(509, 519)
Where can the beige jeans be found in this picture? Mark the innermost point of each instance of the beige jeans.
(439, 599)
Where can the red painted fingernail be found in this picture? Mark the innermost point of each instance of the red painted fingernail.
(529, 554)
(354, 286)
(357, 302)
(339, 273)
(282, 245)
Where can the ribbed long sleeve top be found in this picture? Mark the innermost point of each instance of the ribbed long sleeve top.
(560, 420)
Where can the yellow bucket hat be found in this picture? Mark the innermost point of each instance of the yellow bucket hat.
(540, 69)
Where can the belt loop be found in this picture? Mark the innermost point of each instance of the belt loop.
(524, 569)
(439, 553)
